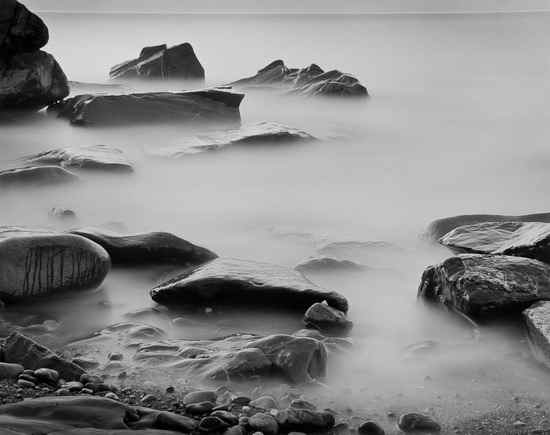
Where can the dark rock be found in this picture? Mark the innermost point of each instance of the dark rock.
(327, 264)
(37, 175)
(226, 416)
(264, 423)
(49, 376)
(21, 31)
(200, 396)
(311, 81)
(161, 62)
(370, 428)
(199, 408)
(86, 364)
(322, 316)
(238, 282)
(10, 370)
(25, 383)
(73, 386)
(196, 106)
(152, 248)
(304, 420)
(537, 321)
(41, 263)
(175, 422)
(302, 404)
(417, 422)
(212, 424)
(264, 402)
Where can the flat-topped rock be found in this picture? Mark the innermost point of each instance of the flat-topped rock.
(98, 157)
(161, 62)
(486, 285)
(37, 263)
(310, 81)
(38, 175)
(153, 107)
(537, 322)
(21, 31)
(228, 281)
(152, 248)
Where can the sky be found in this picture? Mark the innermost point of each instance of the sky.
(345, 6)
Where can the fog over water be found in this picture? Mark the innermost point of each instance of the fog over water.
(458, 123)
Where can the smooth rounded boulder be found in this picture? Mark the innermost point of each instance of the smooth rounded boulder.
(21, 31)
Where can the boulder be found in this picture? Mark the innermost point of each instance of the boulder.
(148, 248)
(486, 285)
(38, 175)
(21, 31)
(40, 263)
(310, 81)
(326, 318)
(522, 239)
(161, 62)
(153, 107)
(228, 281)
(537, 322)
(328, 264)
(99, 157)
(10, 370)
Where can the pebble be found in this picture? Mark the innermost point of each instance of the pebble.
(87, 391)
(241, 401)
(29, 378)
(169, 390)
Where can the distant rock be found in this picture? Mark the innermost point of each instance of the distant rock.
(98, 157)
(38, 175)
(40, 263)
(486, 285)
(310, 81)
(305, 420)
(64, 214)
(227, 281)
(161, 62)
(372, 254)
(522, 239)
(537, 322)
(21, 31)
(326, 318)
(154, 107)
(414, 422)
(327, 264)
(151, 248)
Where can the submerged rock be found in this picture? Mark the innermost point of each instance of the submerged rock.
(311, 81)
(196, 106)
(40, 263)
(100, 157)
(414, 422)
(152, 248)
(522, 239)
(227, 281)
(325, 318)
(161, 62)
(21, 31)
(484, 285)
(327, 264)
(537, 322)
(38, 175)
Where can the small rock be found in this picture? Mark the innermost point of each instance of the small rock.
(264, 402)
(49, 376)
(25, 384)
(370, 428)
(148, 398)
(265, 423)
(212, 424)
(87, 391)
(175, 422)
(170, 390)
(115, 357)
(199, 408)
(226, 416)
(200, 396)
(241, 401)
(302, 404)
(112, 396)
(62, 392)
(73, 387)
(414, 422)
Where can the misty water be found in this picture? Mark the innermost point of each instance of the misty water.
(457, 123)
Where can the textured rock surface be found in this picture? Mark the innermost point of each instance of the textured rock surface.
(161, 62)
(480, 285)
(38, 263)
(196, 106)
(21, 31)
(39, 175)
(537, 322)
(322, 316)
(228, 281)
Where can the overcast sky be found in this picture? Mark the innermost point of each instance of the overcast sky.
(286, 5)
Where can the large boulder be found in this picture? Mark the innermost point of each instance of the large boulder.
(39, 263)
(486, 285)
(537, 322)
(161, 62)
(21, 31)
(150, 248)
(311, 81)
(39, 175)
(197, 106)
(228, 281)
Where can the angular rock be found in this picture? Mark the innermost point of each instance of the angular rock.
(40, 263)
(35, 175)
(226, 281)
(325, 318)
(154, 107)
(311, 81)
(327, 264)
(304, 420)
(486, 285)
(161, 62)
(537, 322)
(98, 157)
(414, 422)
(21, 31)
(149, 248)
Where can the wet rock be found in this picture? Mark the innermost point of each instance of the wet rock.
(161, 62)
(212, 424)
(97, 157)
(486, 285)
(235, 430)
(150, 248)
(21, 31)
(24, 383)
(199, 408)
(302, 404)
(304, 420)
(40, 263)
(326, 318)
(417, 422)
(264, 402)
(230, 418)
(537, 321)
(160, 107)
(310, 81)
(200, 396)
(370, 428)
(264, 423)
(175, 422)
(35, 175)
(73, 386)
(49, 376)
(112, 396)
(227, 281)
(327, 264)
(10, 370)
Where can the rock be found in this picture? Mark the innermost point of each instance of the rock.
(49, 376)
(212, 424)
(264, 402)
(310, 81)
(230, 418)
(40, 263)
(370, 428)
(486, 285)
(175, 422)
(417, 422)
(62, 213)
(227, 281)
(86, 364)
(22, 350)
(196, 106)
(161, 62)
(264, 423)
(95, 157)
(39, 175)
(200, 396)
(21, 31)
(302, 404)
(304, 420)
(522, 239)
(149, 248)
(325, 318)
(537, 321)
(440, 227)
(73, 386)
(112, 396)
(24, 383)
(327, 264)
(10, 370)
(199, 408)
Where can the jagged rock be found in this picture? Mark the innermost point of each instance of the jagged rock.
(156, 247)
(39, 175)
(21, 31)
(326, 318)
(537, 321)
(521, 239)
(486, 285)
(161, 62)
(40, 263)
(236, 282)
(100, 157)
(327, 264)
(440, 227)
(414, 422)
(311, 81)
(196, 106)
